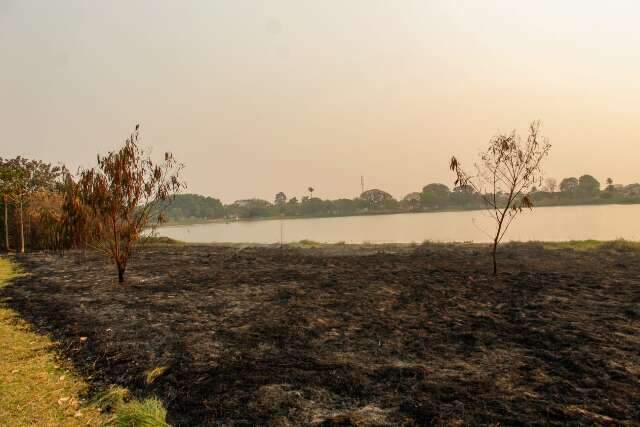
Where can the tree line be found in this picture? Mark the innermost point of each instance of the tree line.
(31, 196)
(433, 197)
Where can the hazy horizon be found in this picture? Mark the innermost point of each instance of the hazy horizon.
(258, 97)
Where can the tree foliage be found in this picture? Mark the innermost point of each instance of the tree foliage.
(435, 195)
(377, 199)
(588, 185)
(20, 179)
(569, 185)
(191, 206)
(280, 199)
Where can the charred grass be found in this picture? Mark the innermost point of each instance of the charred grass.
(342, 335)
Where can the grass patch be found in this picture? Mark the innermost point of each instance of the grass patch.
(34, 388)
(158, 240)
(111, 398)
(148, 413)
(306, 243)
(576, 245)
(155, 373)
(619, 245)
(128, 412)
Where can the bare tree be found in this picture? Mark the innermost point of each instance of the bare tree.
(122, 193)
(507, 170)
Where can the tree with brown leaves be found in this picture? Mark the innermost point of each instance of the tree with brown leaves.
(122, 194)
(507, 170)
(77, 221)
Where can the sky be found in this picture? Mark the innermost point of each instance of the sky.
(257, 97)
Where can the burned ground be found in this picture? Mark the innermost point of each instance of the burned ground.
(353, 335)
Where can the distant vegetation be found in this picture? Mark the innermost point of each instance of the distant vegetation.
(189, 206)
(584, 190)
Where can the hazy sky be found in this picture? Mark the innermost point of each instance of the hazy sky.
(257, 97)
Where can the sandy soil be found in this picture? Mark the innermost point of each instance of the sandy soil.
(365, 336)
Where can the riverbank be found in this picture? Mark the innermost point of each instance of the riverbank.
(354, 334)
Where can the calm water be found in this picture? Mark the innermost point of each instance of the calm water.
(553, 223)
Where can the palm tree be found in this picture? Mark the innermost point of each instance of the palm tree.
(609, 184)
(310, 192)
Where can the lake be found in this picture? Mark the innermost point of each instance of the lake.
(603, 222)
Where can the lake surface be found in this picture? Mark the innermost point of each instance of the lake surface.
(605, 222)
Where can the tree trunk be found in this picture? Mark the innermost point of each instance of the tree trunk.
(121, 269)
(21, 230)
(493, 253)
(6, 222)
